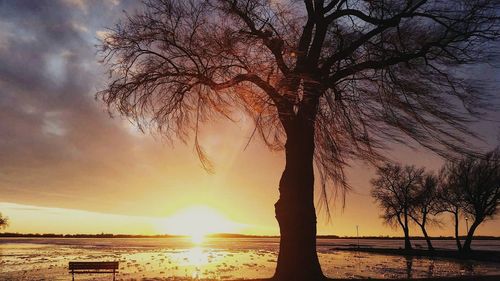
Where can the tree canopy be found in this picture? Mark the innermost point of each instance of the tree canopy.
(477, 181)
(380, 70)
(396, 189)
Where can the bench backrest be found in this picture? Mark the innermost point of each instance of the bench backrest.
(76, 265)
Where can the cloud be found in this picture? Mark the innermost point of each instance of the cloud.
(53, 131)
(59, 148)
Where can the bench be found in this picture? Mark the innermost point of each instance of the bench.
(93, 267)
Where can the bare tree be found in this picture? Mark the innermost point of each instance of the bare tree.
(424, 204)
(395, 189)
(450, 200)
(327, 81)
(478, 181)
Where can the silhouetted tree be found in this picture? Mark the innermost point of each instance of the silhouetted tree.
(395, 189)
(424, 204)
(450, 200)
(327, 81)
(4, 221)
(478, 181)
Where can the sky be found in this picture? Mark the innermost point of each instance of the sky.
(67, 166)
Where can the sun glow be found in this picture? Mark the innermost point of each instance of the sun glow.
(197, 222)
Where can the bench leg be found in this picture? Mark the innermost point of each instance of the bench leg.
(72, 275)
(113, 275)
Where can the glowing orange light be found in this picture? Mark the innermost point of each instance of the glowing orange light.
(197, 222)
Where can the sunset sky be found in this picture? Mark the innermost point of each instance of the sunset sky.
(67, 167)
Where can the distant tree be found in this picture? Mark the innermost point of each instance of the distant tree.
(424, 204)
(395, 189)
(450, 200)
(478, 181)
(4, 221)
(327, 81)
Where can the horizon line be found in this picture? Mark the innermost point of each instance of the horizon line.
(216, 235)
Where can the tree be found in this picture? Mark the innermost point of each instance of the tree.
(327, 81)
(449, 200)
(425, 204)
(478, 181)
(4, 221)
(395, 189)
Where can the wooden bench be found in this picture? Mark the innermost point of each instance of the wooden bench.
(93, 267)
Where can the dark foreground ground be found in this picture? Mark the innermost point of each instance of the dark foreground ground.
(466, 278)
(462, 278)
(475, 278)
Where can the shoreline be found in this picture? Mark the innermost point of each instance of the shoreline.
(225, 235)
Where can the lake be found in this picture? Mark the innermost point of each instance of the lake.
(221, 258)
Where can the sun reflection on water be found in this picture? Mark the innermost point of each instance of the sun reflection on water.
(197, 256)
(194, 259)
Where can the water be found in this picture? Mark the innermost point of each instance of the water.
(219, 258)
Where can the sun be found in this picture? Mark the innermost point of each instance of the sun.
(197, 222)
(197, 238)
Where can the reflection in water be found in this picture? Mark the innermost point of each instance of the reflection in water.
(430, 270)
(409, 265)
(214, 261)
(358, 261)
(467, 267)
(197, 258)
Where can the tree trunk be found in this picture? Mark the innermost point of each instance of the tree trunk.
(407, 239)
(427, 239)
(470, 235)
(457, 237)
(295, 212)
(424, 231)
(406, 230)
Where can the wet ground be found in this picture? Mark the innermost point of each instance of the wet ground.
(28, 259)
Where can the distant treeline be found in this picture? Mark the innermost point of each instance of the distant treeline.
(102, 235)
(219, 235)
(401, 237)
